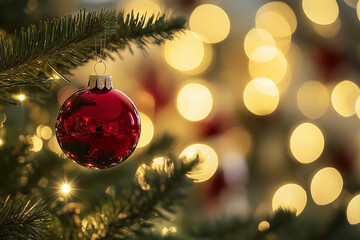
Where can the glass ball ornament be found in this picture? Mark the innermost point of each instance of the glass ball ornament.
(98, 127)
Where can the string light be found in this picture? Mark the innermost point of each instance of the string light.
(263, 226)
(208, 161)
(307, 143)
(291, 196)
(353, 210)
(21, 97)
(322, 12)
(65, 188)
(1, 142)
(147, 130)
(313, 99)
(326, 186)
(194, 102)
(210, 23)
(261, 96)
(259, 45)
(343, 98)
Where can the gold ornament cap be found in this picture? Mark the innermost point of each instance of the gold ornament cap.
(100, 82)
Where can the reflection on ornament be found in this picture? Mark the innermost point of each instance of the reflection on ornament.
(98, 127)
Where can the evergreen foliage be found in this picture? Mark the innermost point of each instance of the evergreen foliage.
(39, 54)
(21, 218)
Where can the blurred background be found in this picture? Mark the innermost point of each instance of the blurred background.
(266, 91)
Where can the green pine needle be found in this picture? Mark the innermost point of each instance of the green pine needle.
(21, 218)
(42, 53)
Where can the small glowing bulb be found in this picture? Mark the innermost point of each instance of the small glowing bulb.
(21, 97)
(65, 188)
(1, 142)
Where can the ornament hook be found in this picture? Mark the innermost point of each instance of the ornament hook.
(100, 53)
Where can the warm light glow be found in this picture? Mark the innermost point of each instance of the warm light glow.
(147, 130)
(313, 99)
(273, 22)
(259, 45)
(53, 145)
(343, 98)
(326, 186)
(290, 196)
(321, 11)
(238, 139)
(37, 144)
(161, 164)
(307, 143)
(166, 230)
(1, 142)
(65, 188)
(357, 106)
(358, 9)
(194, 102)
(140, 176)
(205, 62)
(46, 133)
(21, 97)
(210, 22)
(184, 53)
(261, 96)
(353, 210)
(264, 225)
(143, 6)
(208, 161)
(283, 9)
(328, 31)
(275, 69)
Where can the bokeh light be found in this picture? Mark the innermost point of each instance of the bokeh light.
(326, 186)
(273, 22)
(142, 6)
(263, 226)
(46, 133)
(161, 164)
(194, 102)
(290, 196)
(140, 176)
(313, 99)
(208, 161)
(259, 45)
(147, 130)
(37, 144)
(343, 98)
(353, 210)
(275, 69)
(307, 143)
(210, 22)
(261, 96)
(284, 10)
(321, 11)
(328, 31)
(1, 142)
(184, 53)
(205, 62)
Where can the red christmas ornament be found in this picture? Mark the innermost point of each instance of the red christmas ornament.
(99, 126)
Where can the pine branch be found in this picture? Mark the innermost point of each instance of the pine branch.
(34, 57)
(20, 218)
(235, 228)
(132, 213)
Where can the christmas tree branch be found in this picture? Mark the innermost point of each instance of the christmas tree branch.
(20, 218)
(35, 56)
(132, 213)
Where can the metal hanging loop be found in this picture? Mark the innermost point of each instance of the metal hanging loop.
(101, 61)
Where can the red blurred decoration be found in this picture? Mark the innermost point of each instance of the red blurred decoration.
(157, 84)
(329, 60)
(98, 128)
(215, 125)
(344, 158)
